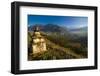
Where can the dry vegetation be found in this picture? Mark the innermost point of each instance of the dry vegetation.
(59, 47)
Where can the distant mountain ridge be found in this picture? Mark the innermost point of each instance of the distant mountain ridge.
(52, 28)
(49, 28)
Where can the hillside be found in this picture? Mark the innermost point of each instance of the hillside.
(58, 47)
(79, 31)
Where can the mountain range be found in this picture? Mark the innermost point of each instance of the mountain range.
(52, 28)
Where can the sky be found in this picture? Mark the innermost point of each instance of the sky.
(66, 21)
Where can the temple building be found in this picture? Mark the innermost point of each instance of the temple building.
(39, 43)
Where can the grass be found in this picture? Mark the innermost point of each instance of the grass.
(59, 47)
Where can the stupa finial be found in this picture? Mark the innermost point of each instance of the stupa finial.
(36, 29)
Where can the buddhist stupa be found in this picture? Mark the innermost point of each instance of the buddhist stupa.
(39, 44)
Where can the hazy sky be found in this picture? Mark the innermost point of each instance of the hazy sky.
(67, 21)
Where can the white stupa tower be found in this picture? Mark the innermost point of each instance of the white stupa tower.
(39, 43)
